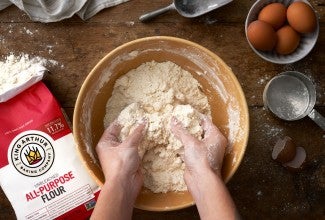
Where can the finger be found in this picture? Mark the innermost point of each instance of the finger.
(134, 139)
(208, 126)
(111, 134)
(181, 133)
(210, 130)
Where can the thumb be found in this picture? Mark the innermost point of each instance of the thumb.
(134, 139)
(111, 134)
(212, 134)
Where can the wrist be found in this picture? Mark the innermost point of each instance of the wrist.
(202, 173)
(119, 185)
(127, 185)
(114, 201)
(115, 177)
(208, 186)
(197, 181)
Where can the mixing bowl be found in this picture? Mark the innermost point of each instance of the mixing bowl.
(228, 105)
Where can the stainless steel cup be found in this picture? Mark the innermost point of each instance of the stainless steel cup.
(292, 96)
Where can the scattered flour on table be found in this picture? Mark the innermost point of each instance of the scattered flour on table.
(259, 193)
(16, 70)
(158, 91)
(27, 31)
(263, 80)
(49, 48)
(130, 23)
(2, 40)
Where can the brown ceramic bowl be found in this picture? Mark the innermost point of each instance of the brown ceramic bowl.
(228, 105)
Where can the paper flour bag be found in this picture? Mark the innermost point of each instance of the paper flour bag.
(40, 170)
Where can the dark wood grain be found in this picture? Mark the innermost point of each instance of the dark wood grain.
(261, 188)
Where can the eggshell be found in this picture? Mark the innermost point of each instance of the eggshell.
(274, 14)
(301, 17)
(261, 35)
(298, 162)
(284, 150)
(287, 40)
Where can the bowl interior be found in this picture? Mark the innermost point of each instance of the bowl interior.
(307, 41)
(228, 105)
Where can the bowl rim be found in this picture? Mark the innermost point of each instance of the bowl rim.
(83, 92)
(280, 61)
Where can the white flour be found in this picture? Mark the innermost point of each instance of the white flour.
(158, 91)
(17, 71)
(235, 131)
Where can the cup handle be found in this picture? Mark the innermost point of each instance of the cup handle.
(151, 15)
(317, 118)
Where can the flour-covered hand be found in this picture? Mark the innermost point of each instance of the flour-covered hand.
(203, 161)
(201, 154)
(120, 160)
(120, 163)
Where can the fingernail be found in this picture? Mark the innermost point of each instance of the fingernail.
(116, 123)
(205, 117)
(143, 120)
(201, 115)
(174, 120)
(182, 155)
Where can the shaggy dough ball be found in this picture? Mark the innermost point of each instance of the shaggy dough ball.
(158, 91)
(160, 151)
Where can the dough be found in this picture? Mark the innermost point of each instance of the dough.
(158, 91)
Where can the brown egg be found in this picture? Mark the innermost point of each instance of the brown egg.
(301, 17)
(275, 14)
(261, 35)
(288, 40)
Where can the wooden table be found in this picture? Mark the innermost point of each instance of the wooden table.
(261, 188)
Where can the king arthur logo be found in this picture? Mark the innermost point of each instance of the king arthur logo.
(31, 153)
(33, 156)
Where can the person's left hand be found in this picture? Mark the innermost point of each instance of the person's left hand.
(120, 161)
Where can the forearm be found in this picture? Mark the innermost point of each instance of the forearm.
(114, 202)
(211, 196)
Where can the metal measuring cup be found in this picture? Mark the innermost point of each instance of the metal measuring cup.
(187, 8)
(292, 96)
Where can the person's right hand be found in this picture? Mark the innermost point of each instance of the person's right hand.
(201, 158)
(200, 155)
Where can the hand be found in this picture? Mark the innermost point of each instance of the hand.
(200, 155)
(201, 158)
(121, 161)
(123, 179)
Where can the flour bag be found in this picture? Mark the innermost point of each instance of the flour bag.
(40, 170)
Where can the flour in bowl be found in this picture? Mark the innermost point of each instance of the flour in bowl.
(158, 91)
